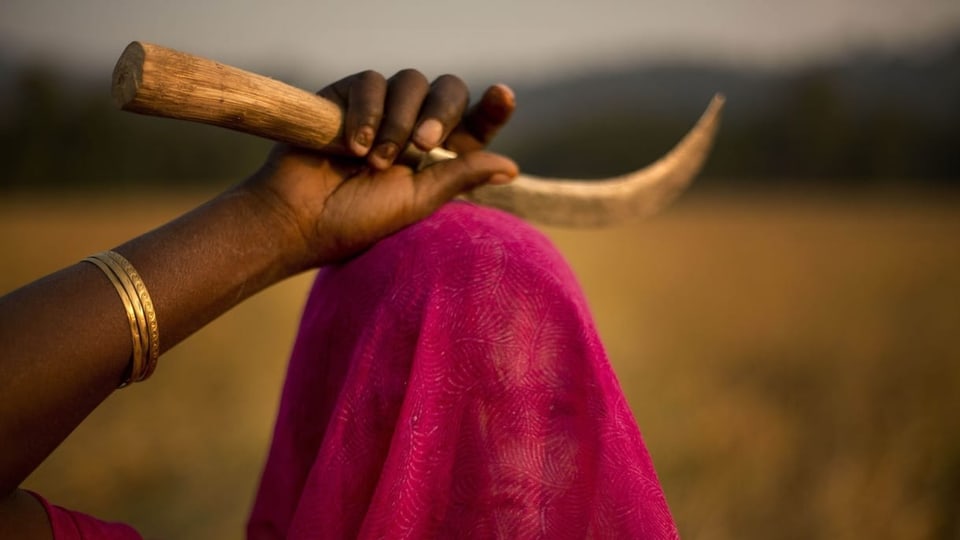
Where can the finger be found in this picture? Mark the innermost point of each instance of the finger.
(444, 180)
(484, 120)
(441, 111)
(362, 97)
(405, 94)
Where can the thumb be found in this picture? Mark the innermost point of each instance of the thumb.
(444, 180)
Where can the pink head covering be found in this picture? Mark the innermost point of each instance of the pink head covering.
(449, 382)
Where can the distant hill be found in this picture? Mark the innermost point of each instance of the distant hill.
(872, 116)
(868, 119)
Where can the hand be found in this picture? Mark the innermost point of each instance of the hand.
(301, 209)
(339, 206)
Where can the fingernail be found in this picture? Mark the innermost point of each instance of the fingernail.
(429, 133)
(384, 154)
(387, 151)
(507, 92)
(362, 140)
(500, 178)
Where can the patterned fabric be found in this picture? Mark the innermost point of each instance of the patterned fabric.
(449, 383)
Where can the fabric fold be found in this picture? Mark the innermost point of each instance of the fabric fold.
(449, 382)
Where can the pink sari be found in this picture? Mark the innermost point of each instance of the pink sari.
(70, 525)
(449, 383)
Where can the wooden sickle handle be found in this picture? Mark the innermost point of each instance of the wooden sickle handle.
(157, 81)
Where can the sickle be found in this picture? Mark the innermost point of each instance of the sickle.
(157, 81)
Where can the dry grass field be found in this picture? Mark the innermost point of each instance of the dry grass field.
(793, 362)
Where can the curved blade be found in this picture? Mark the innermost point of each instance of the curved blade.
(596, 203)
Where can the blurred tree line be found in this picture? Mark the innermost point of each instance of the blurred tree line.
(61, 134)
(865, 120)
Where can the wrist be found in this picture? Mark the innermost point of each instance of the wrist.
(278, 228)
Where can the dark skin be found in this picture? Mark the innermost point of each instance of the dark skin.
(65, 340)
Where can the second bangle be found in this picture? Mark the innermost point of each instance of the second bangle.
(144, 330)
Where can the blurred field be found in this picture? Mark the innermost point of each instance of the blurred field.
(793, 362)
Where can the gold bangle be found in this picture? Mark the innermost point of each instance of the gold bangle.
(137, 353)
(144, 329)
(139, 363)
(152, 354)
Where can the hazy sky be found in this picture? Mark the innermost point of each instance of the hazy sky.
(495, 38)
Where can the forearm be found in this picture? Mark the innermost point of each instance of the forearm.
(65, 342)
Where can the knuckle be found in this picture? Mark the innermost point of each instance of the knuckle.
(450, 110)
(365, 100)
(369, 76)
(393, 130)
(371, 117)
(369, 113)
(455, 96)
(412, 76)
(450, 81)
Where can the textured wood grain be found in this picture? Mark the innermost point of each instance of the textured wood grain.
(157, 81)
